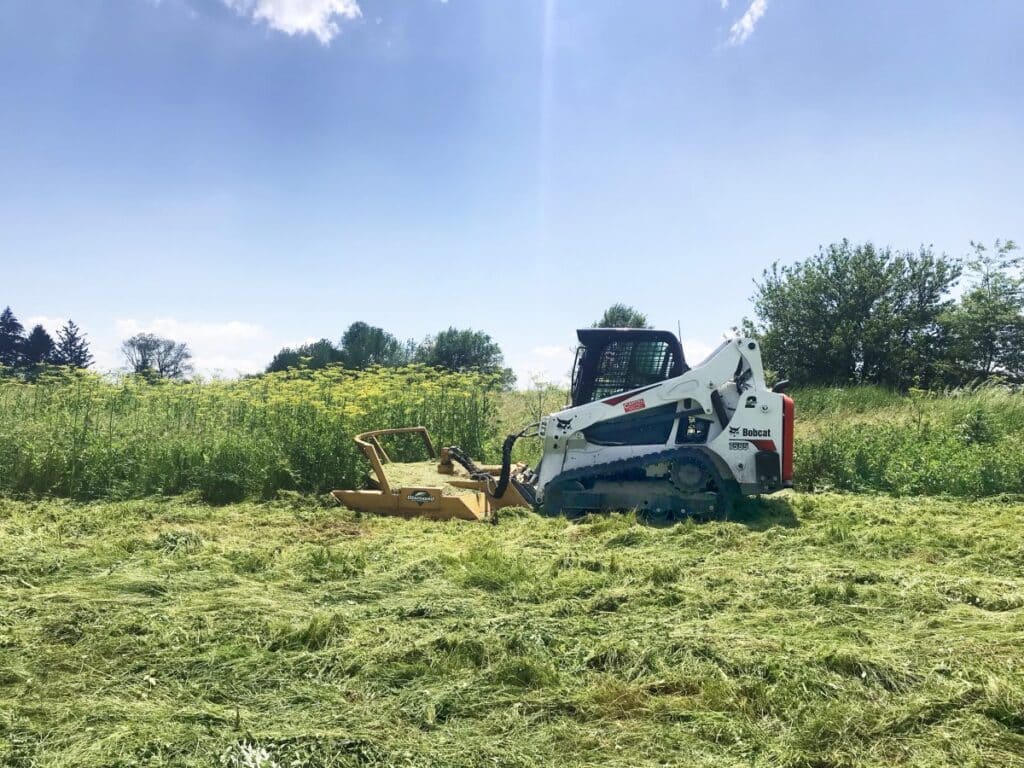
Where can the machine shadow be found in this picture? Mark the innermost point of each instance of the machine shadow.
(760, 513)
(755, 513)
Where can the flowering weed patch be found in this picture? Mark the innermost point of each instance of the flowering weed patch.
(80, 436)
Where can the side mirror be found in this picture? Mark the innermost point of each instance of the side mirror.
(781, 386)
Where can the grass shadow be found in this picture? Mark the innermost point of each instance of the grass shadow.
(759, 513)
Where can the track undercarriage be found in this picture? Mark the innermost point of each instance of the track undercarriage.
(665, 484)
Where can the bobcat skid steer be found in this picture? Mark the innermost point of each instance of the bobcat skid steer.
(644, 431)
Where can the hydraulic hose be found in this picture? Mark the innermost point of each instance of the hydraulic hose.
(506, 461)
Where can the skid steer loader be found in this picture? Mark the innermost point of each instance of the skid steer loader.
(643, 431)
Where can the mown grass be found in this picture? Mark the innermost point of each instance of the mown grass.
(823, 630)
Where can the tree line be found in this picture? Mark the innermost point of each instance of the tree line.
(29, 353)
(155, 357)
(849, 314)
(363, 345)
(860, 314)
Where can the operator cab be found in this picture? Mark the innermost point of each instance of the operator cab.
(614, 360)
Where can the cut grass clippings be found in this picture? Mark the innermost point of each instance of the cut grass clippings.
(823, 630)
(413, 474)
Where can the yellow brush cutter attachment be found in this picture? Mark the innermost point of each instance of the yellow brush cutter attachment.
(442, 491)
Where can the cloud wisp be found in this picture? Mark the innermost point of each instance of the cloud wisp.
(741, 31)
(319, 18)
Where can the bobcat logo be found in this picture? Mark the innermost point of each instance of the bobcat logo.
(734, 430)
(564, 423)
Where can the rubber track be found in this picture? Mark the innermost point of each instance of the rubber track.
(686, 454)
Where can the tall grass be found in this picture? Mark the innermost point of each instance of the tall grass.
(964, 442)
(84, 437)
(80, 436)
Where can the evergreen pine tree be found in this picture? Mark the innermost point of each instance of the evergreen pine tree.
(11, 338)
(72, 348)
(37, 349)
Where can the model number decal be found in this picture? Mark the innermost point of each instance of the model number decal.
(634, 405)
(420, 498)
(739, 445)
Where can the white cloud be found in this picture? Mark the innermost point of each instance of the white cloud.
(299, 17)
(195, 332)
(744, 28)
(51, 324)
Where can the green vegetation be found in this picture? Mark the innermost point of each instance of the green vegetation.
(859, 314)
(80, 436)
(30, 354)
(364, 346)
(76, 435)
(622, 316)
(823, 630)
(960, 443)
(810, 631)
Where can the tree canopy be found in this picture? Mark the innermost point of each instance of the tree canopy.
(363, 345)
(863, 314)
(984, 332)
(11, 338)
(622, 316)
(153, 356)
(463, 349)
(72, 349)
(37, 349)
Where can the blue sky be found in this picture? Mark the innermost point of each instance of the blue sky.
(243, 174)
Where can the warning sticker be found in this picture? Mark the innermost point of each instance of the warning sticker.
(634, 405)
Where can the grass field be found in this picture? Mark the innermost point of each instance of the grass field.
(811, 630)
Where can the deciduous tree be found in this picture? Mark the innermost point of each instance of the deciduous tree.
(465, 350)
(622, 316)
(856, 314)
(985, 330)
(151, 355)
(316, 355)
(363, 345)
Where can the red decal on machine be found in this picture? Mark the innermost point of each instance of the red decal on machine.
(626, 395)
(764, 445)
(634, 405)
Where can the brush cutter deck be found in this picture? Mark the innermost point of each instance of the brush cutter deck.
(466, 497)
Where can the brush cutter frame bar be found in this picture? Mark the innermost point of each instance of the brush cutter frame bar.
(421, 501)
